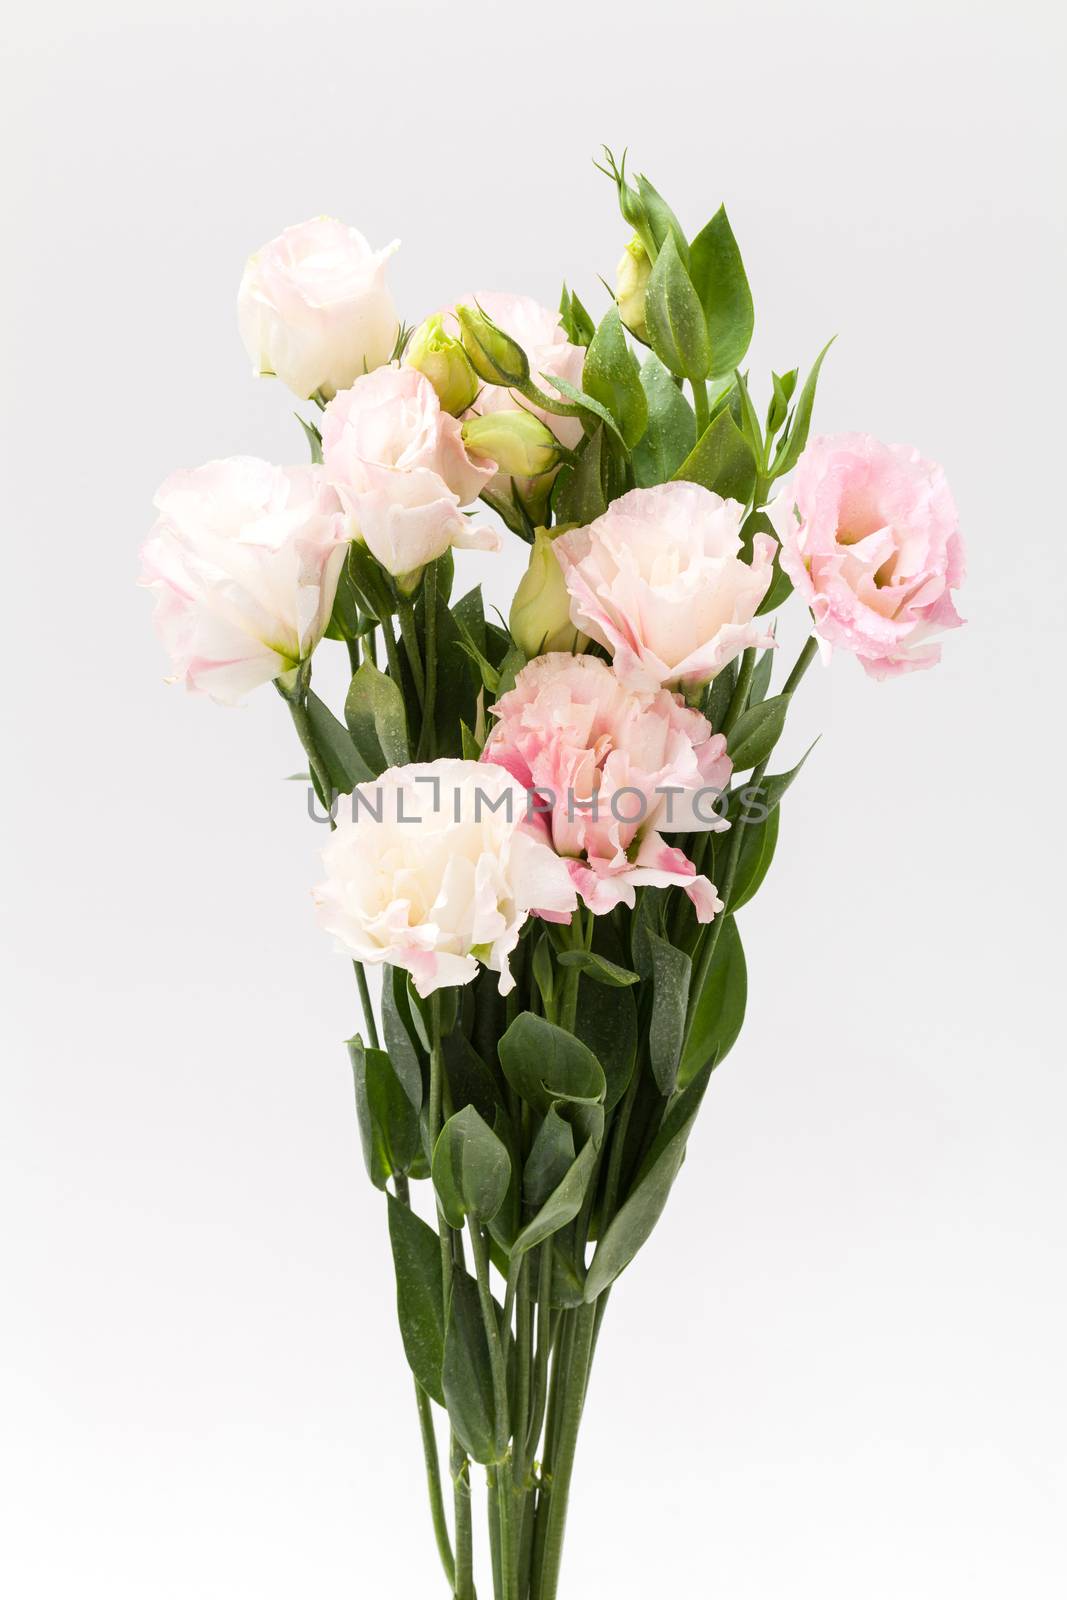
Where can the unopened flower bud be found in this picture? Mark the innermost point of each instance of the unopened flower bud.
(631, 286)
(540, 612)
(495, 357)
(520, 443)
(443, 360)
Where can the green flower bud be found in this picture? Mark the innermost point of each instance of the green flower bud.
(540, 612)
(631, 285)
(495, 357)
(443, 360)
(517, 441)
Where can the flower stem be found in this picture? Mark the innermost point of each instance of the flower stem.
(429, 1444)
(427, 741)
(700, 404)
(576, 1379)
(410, 636)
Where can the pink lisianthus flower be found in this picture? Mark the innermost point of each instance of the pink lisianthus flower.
(613, 769)
(875, 550)
(402, 471)
(659, 581)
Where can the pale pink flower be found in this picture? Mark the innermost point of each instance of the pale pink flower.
(876, 551)
(660, 582)
(400, 466)
(435, 868)
(313, 307)
(614, 769)
(243, 560)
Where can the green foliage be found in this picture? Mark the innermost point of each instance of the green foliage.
(419, 1295)
(388, 1122)
(471, 1169)
(544, 1063)
(612, 376)
(718, 275)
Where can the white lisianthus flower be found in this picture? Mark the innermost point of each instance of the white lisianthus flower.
(243, 560)
(435, 868)
(314, 310)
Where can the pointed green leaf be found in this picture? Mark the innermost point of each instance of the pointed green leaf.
(612, 376)
(388, 1122)
(466, 1373)
(756, 732)
(376, 718)
(718, 275)
(636, 1218)
(419, 1295)
(793, 443)
(721, 460)
(598, 968)
(720, 1008)
(758, 843)
(671, 970)
(345, 767)
(565, 1201)
(671, 431)
(674, 316)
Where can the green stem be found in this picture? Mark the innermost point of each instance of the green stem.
(410, 636)
(544, 1351)
(429, 1443)
(740, 695)
(700, 404)
(461, 1485)
(577, 1379)
(426, 748)
(365, 1002)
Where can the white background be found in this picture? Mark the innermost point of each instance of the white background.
(837, 1370)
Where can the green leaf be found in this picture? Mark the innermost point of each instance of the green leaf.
(578, 325)
(674, 316)
(794, 441)
(388, 1122)
(469, 616)
(551, 1158)
(718, 275)
(647, 921)
(720, 1008)
(721, 460)
(778, 410)
(671, 971)
(761, 678)
(419, 1295)
(607, 1025)
(671, 431)
(565, 1201)
(370, 581)
(720, 694)
(545, 1063)
(313, 437)
(471, 1169)
(780, 590)
(756, 732)
(638, 1215)
(659, 217)
(612, 376)
(579, 397)
(758, 842)
(598, 968)
(771, 790)
(345, 767)
(376, 718)
(749, 421)
(469, 1079)
(466, 1373)
(401, 1035)
(579, 492)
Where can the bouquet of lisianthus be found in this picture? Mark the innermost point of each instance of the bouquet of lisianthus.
(541, 833)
